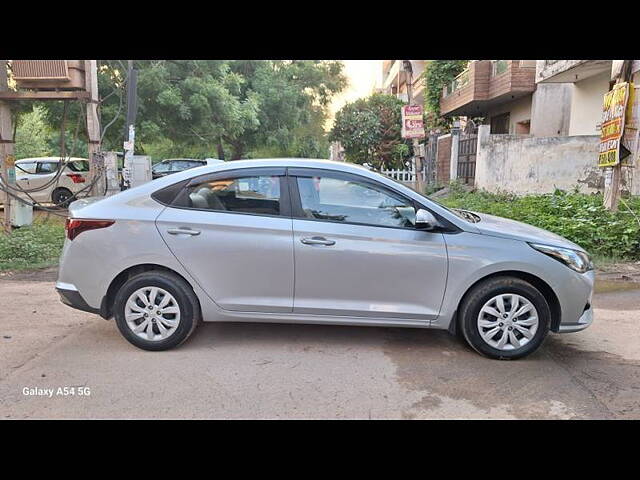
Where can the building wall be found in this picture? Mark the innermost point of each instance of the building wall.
(551, 109)
(586, 104)
(519, 111)
(526, 164)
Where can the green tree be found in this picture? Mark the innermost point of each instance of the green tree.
(437, 74)
(33, 134)
(369, 130)
(238, 106)
(214, 107)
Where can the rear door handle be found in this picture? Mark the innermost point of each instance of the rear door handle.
(317, 241)
(183, 231)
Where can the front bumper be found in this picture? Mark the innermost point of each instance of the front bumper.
(583, 322)
(70, 296)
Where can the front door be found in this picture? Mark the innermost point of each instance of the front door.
(24, 171)
(232, 232)
(357, 252)
(43, 178)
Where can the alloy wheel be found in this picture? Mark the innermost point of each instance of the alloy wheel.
(152, 313)
(508, 321)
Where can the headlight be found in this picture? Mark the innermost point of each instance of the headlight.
(578, 261)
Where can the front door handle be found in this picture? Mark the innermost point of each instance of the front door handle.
(317, 241)
(183, 231)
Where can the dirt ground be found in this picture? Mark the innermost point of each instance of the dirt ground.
(307, 371)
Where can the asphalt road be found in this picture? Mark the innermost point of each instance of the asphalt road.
(240, 371)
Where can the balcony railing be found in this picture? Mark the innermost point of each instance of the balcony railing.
(487, 81)
(462, 80)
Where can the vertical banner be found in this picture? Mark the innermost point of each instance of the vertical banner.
(631, 137)
(613, 118)
(412, 122)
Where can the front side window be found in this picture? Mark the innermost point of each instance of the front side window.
(26, 167)
(349, 201)
(255, 194)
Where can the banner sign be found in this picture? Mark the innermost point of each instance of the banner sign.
(631, 136)
(613, 118)
(412, 122)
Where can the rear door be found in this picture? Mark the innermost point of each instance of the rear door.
(357, 251)
(232, 232)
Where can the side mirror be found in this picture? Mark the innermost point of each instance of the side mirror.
(425, 220)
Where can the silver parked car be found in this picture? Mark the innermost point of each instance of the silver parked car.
(313, 241)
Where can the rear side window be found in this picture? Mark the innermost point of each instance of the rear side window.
(78, 166)
(47, 167)
(258, 195)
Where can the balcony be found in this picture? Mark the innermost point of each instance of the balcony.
(569, 71)
(486, 84)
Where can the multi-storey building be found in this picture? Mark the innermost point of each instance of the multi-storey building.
(396, 77)
(499, 91)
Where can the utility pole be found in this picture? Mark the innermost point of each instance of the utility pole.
(612, 184)
(93, 123)
(130, 133)
(416, 144)
(7, 169)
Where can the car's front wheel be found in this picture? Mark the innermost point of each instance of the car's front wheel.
(156, 310)
(505, 318)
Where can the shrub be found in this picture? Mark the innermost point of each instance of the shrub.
(578, 217)
(31, 247)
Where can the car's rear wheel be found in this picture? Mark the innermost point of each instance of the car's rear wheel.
(62, 197)
(505, 318)
(156, 310)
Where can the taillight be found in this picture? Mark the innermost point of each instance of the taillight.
(76, 177)
(75, 226)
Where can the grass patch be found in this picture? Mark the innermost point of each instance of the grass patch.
(578, 217)
(36, 246)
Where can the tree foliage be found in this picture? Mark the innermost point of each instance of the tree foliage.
(437, 74)
(369, 130)
(208, 108)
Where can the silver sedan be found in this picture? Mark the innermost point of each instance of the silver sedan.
(313, 241)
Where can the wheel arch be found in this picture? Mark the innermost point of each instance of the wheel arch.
(537, 282)
(106, 306)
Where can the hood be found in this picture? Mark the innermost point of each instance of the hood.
(505, 228)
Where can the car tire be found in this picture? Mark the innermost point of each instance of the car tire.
(62, 197)
(486, 308)
(128, 303)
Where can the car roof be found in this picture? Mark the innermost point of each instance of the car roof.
(50, 159)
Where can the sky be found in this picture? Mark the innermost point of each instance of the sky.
(364, 76)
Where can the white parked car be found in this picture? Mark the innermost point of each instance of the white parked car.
(39, 173)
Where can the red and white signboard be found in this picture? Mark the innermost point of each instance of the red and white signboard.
(412, 122)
